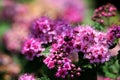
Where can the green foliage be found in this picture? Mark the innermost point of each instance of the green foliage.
(111, 68)
(43, 78)
(4, 26)
(46, 52)
(24, 1)
(99, 27)
(116, 41)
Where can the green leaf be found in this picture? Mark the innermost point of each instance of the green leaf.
(99, 27)
(24, 1)
(107, 74)
(111, 68)
(43, 78)
(116, 40)
(3, 27)
(46, 52)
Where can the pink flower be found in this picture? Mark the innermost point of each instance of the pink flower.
(32, 48)
(51, 64)
(107, 79)
(67, 66)
(107, 10)
(61, 72)
(47, 60)
(72, 14)
(97, 54)
(27, 77)
(112, 34)
(15, 37)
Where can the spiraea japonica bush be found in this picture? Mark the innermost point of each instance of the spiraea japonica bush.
(69, 51)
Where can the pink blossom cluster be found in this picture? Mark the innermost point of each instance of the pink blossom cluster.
(59, 59)
(65, 40)
(43, 29)
(107, 10)
(112, 34)
(27, 77)
(46, 32)
(19, 28)
(92, 43)
(32, 47)
(11, 10)
(15, 37)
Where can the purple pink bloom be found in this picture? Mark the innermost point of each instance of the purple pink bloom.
(92, 43)
(59, 53)
(69, 10)
(44, 29)
(107, 10)
(32, 47)
(65, 40)
(15, 37)
(97, 54)
(112, 34)
(27, 77)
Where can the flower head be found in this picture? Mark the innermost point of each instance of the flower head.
(97, 54)
(32, 48)
(59, 59)
(92, 43)
(44, 29)
(27, 77)
(107, 10)
(112, 34)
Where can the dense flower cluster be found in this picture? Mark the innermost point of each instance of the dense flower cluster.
(92, 43)
(59, 58)
(15, 37)
(97, 54)
(32, 48)
(27, 77)
(112, 34)
(46, 32)
(65, 41)
(108, 10)
(43, 29)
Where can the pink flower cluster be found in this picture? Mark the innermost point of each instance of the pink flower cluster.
(15, 37)
(43, 29)
(12, 10)
(47, 30)
(92, 43)
(32, 47)
(66, 40)
(107, 10)
(44, 32)
(97, 54)
(27, 77)
(59, 59)
(112, 34)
